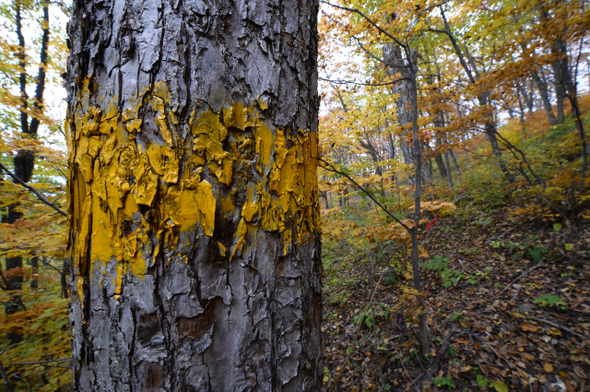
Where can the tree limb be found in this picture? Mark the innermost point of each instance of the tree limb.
(367, 19)
(517, 279)
(361, 84)
(33, 190)
(331, 168)
(5, 377)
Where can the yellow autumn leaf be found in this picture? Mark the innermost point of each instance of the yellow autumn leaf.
(499, 386)
(548, 367)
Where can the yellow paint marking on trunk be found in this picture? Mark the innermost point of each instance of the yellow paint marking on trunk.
(144, 199)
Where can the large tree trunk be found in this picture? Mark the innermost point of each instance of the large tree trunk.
(194, 210)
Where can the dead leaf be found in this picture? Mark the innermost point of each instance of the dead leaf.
(529, 328)
(548, 367)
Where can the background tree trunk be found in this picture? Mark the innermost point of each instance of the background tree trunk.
(24, 160)
(544, 93)
(194, 210)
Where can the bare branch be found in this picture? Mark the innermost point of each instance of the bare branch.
(51, 266)
(368, 52)
(331, 168)
(43, 362)
(33, 190)
(5, 377)
(367, 19)
(336, 81)
(422, 12)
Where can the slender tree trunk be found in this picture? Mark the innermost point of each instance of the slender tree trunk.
(454, 159)
(449, 174)
(544, 94)
(422, 327)
(24, 161)
(559, 94)
(442, 170)
(561, 76)
(520, 105)
(396, 63)
(392, 155)
(324, 194)
(366, 144)
(194, 209)
(483, 98)
(426, 169)
(34, 272)
(528, 99)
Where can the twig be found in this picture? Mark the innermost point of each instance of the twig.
(337, 81)
(358, 330)
(405, 371)
(443, 346)
(42, 362)
(555, 325)
(52, 266)
(42, 371)
(375, 341)
(426, 236)
(368, 20)
(6, 284)
(498, 355)
(33, 190)
(5, 377)
(333, 169)
(516, 280)
(413, 382)
(515, 294)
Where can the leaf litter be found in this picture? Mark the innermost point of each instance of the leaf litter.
(518, 320)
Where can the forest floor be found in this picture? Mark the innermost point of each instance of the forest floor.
(507, 303)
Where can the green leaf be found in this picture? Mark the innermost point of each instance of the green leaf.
(482, 381)
(556, 226)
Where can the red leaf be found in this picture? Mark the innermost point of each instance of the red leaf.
(429, 225)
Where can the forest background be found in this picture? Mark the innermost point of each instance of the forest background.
(454, 195)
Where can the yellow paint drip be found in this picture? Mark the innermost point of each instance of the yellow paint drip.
(222, 249)
(128, 202)
(206, 202)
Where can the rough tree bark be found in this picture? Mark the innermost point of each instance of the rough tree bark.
(194, 210)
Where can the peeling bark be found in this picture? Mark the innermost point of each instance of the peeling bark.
(194, 208)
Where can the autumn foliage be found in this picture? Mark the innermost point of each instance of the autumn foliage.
(503, 233)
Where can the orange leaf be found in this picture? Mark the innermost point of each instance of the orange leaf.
(548, 367)
(529, 328)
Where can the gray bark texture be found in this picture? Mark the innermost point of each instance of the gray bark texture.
(211, 105)
(396, 63)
